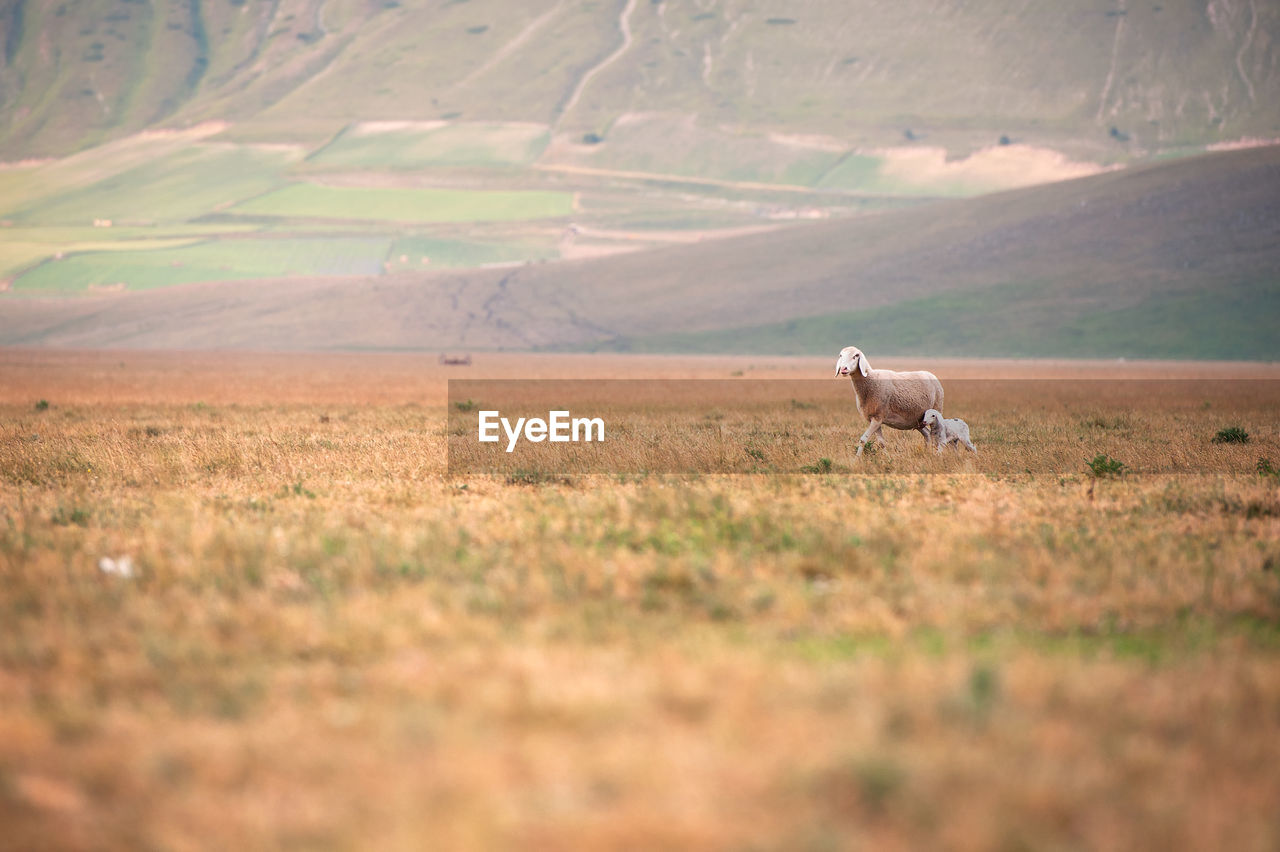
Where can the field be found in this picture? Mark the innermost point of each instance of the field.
(183, 185)
(1235, 315)
(1172, 260)
(789, 426)
(328, 640)
(389, 146)
(310, 201)
(207, 261)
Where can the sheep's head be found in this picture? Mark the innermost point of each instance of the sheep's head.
(932, 417)
(851, 358)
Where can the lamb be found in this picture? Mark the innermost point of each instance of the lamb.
(889, 398)
(943, 431)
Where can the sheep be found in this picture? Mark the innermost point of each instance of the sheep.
(944, 431)
(889, 398)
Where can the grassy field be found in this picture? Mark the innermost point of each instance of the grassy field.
(19, 255)
(408, 252)
(790, 426)
(328, 640)
(184, 185)
(1177, 259)
(1235, 319)
(30, 186)
(390, 146)
(677, 146)
(22, 249)
(145, 269)
(310, 201)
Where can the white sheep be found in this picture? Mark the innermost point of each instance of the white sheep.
(887, 397)
(943, 431)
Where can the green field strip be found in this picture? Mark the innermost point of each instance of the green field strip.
(428, 252)
(312, 201)
(23, 248)
(681, 153)
(416, 146)
(192, 182)
(18, 183)
(208, 261)
(17, 256)
(851, 172)
(67, 235)
(1235, 321)
(47, 180)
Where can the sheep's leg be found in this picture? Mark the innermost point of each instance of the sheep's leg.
(928, 435)
(871, 430)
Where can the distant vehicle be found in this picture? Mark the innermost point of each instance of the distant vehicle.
(455, 360)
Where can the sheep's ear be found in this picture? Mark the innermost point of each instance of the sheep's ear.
(862, 366)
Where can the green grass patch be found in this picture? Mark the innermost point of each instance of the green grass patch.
(1187, 637)
(1102, 465)
(23, 248)
(188, 183)
(1235, 321)
(1231, 435)
(662, 146)
(210, 261)
(306, 200)
(66, 237)
(855, 171)
(416, 146)
(15, 257)
(427, 253)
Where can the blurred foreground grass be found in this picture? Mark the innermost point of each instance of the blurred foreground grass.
(328, 642)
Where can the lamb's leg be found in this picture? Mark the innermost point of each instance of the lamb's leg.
(928, 436)
(871, 430)
(970, 445)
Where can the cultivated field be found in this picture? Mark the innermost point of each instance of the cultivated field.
(390, 145)
(329, 641)
(148, 268)
(1173, 260)
(408, 205)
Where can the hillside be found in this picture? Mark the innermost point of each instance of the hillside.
(672, 86)
(671, 175)
(1175, 259)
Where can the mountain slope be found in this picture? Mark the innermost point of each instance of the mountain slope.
(1178, 259)
(1103, 79)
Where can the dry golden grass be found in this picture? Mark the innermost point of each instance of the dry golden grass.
(330, 642)
(791, 426)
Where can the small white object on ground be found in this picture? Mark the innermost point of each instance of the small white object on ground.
(122, 567)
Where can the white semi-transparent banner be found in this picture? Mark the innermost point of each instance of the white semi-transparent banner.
(1093, 427)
